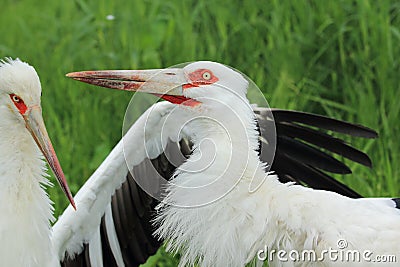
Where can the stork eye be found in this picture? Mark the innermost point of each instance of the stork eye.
(15, 98)
(19, 103)
(206, 75)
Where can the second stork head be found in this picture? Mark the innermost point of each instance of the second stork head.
(21, 113)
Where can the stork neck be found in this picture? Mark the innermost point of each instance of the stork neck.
(229, 189)
(224, 156)
(230, 126)
(25, 207)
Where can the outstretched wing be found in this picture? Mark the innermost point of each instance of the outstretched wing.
(123, 235)
(112, 224)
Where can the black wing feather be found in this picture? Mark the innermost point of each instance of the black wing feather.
(302, 163)
(323, 122)
(311, 156)
(108, 257)
(322, 140)
(307, 175)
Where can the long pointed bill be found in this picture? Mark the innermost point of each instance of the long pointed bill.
(165, 83)
(35, 125)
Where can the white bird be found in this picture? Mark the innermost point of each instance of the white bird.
(26, 210)
(111, 226)
(213, 216)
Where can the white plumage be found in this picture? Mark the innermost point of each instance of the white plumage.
(224, 223)
(229, 231)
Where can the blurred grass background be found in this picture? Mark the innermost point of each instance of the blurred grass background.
(338, 58)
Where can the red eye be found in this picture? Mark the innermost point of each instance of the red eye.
(19, 103)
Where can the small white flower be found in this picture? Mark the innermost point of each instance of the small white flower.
(110, 17)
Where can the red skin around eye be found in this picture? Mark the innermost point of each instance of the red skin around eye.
(22, 108)
(196, 78)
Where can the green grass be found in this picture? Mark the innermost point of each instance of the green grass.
(339, 58)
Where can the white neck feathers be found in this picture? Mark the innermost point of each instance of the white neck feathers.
(25, 207)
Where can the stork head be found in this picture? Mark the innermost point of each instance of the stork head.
(20, 93)
(206, 80)
(212, 105)
(196, 84)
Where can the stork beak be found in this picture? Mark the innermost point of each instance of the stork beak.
(166, 83)
(35, 125)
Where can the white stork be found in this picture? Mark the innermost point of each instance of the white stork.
(212, 216)
(111, 226)
(25, 208)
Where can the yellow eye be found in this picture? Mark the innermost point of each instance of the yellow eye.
(206, 75)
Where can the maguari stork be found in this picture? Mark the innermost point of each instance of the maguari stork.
(212, 215)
